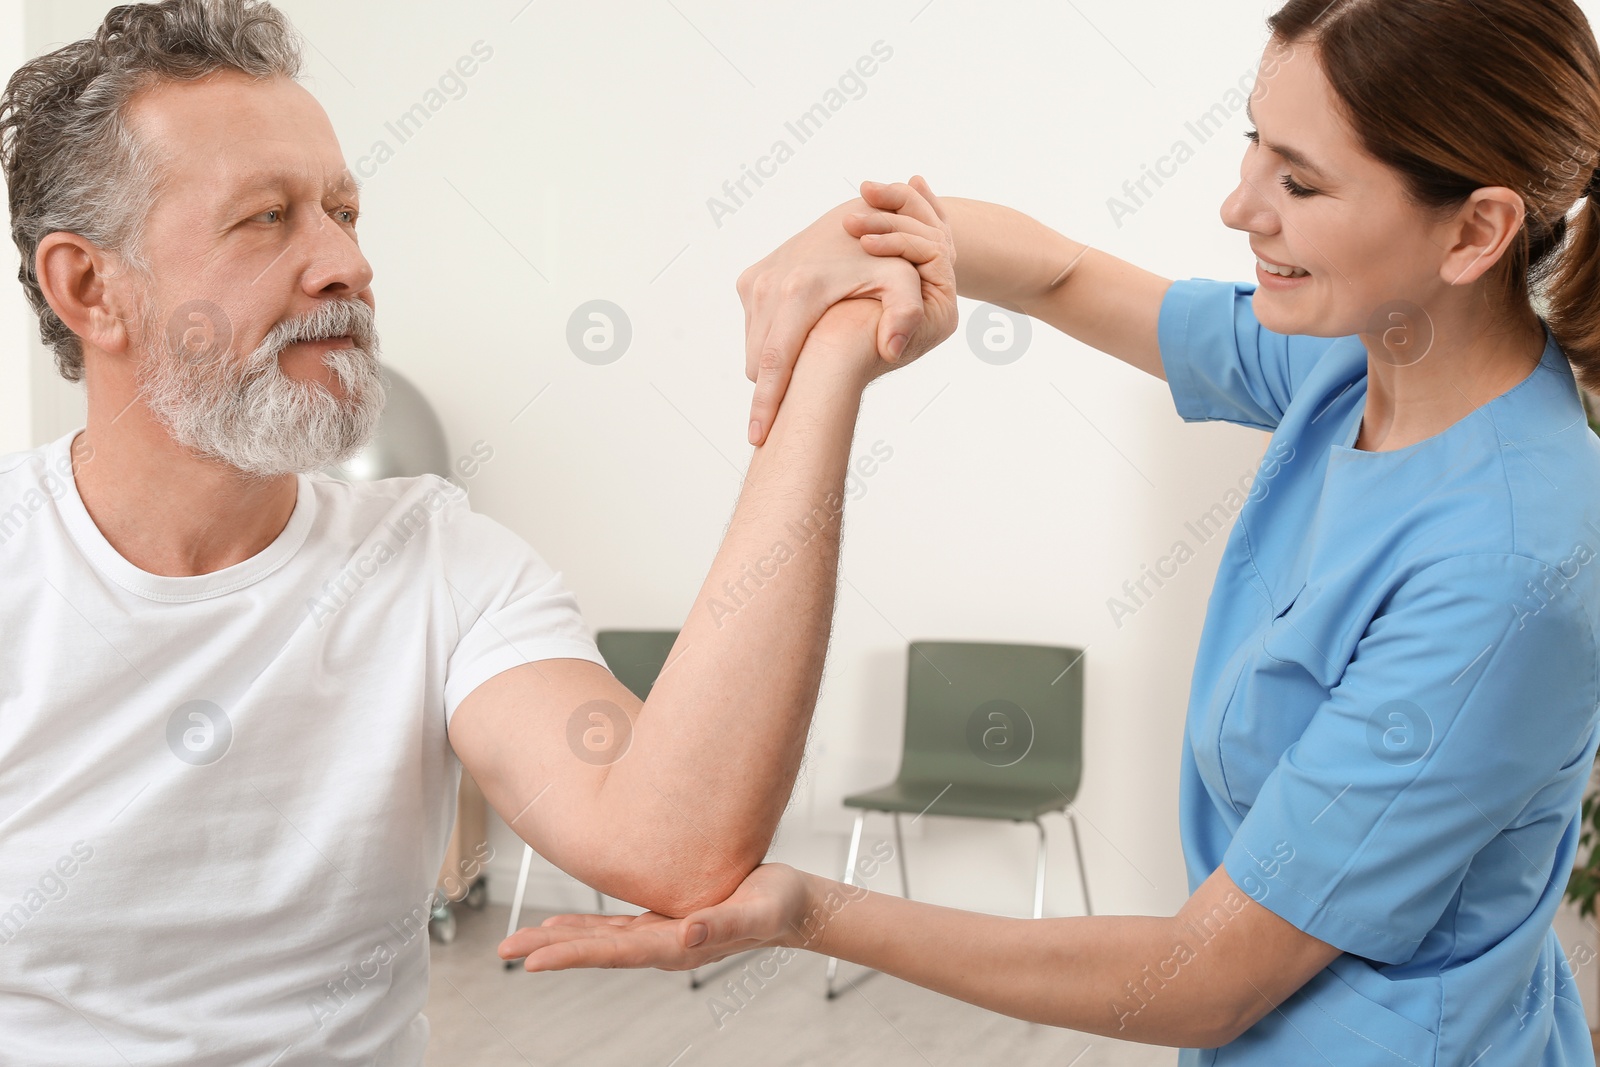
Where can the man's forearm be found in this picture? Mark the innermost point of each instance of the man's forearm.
(718, 743)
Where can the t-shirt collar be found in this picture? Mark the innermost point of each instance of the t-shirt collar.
(168, 588)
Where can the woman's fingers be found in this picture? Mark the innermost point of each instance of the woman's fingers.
(786, 294)
(607, 946)
(671, 944)
(589, 920)
(775, 337)
(901, 198)
(920, 184)
(524, 940)
(862, 223)
(906, 246)
(780, 325)
(910, 224)
(902, 313)
(774, 368)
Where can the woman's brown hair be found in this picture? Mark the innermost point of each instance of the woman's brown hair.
(1458, 95)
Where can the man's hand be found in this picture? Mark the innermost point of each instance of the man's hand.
(771, 907)
(893, 245)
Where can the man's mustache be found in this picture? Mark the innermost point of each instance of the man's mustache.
(334, 318)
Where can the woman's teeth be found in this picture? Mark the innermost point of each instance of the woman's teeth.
(1286, 272)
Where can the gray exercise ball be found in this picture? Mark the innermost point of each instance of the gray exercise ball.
(409, 439)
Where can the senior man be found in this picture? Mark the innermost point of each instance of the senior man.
(223, 804)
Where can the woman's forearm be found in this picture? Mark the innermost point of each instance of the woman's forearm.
(1004, 257)
(1111, 975)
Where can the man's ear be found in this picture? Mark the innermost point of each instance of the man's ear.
(90, 289)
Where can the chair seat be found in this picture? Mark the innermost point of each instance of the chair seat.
(970, 801)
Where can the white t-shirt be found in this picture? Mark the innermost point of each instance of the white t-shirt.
(225, 799)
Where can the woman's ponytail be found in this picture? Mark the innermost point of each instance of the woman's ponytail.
(1569, 284)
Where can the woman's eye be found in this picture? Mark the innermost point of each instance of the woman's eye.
(1294, 188)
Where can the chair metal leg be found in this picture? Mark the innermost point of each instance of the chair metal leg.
(900, 851)
(1083, 875)
(516, 900)
(849, 879)
(1038, 872)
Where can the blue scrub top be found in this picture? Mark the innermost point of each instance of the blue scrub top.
(1393, 713)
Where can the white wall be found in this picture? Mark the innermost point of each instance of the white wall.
(578, 164)
(16, 428)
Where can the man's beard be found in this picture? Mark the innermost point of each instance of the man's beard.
(246, 412)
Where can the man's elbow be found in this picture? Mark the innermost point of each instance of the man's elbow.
(683, 884)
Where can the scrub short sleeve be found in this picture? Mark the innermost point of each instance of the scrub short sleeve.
(1465, 696)
(1220, 363)
(511, 607)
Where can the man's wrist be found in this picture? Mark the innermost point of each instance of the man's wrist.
(842, 348)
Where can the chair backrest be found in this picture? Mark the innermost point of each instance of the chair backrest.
(636, 656)
(980, 713)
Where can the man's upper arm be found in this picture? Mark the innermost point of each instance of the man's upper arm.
(540, 739)
(530, 708)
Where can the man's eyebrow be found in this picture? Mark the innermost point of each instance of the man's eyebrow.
(1292, 155)
(262, 180)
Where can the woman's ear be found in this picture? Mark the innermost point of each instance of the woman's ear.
(1480, 233)
(91, 290)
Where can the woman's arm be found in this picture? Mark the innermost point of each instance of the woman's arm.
(1196, 980)
(914, 251)
(1007, 258)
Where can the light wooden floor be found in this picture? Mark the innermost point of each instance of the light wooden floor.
(489, 1017)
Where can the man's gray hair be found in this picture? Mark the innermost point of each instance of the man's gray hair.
(71, 163)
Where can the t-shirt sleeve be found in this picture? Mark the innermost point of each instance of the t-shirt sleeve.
(1464, 698)
(511, 607)
(1221, 363)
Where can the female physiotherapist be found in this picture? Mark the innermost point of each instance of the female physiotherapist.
(1393, 713)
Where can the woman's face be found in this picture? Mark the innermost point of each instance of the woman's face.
(1311, 198)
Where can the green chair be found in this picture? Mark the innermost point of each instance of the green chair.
(992, 731)
(636, 658)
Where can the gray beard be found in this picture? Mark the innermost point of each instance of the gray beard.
(246, 412)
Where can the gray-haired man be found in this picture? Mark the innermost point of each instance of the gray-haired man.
(222, 812)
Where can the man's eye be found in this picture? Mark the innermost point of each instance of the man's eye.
(346, 215)
(274, 212)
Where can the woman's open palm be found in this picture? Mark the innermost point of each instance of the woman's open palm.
(768, 908)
